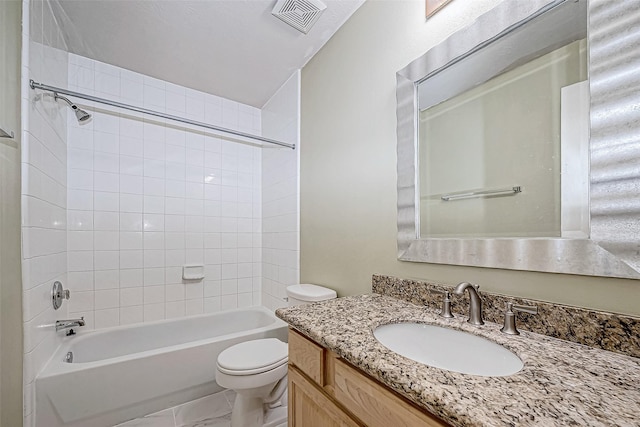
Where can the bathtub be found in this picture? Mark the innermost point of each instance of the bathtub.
(126, 372)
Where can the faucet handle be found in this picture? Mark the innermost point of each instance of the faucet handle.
(531, 309)
(58, 294)
(509, 326)
(446, 303)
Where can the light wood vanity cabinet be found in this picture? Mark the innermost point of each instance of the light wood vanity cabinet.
(326, 391)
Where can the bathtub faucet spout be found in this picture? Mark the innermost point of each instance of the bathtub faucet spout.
(69, 324)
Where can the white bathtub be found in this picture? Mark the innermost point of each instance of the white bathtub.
(126, 372)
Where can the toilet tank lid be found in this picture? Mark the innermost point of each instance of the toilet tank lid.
(308, 292)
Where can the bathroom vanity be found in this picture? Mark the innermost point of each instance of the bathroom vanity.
(340, 374)
(325, 390)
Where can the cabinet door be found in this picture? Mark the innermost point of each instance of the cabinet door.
(310, 407)
(374, 404)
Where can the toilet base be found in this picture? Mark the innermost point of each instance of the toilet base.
(247, 412)
(252, 412)
(276, 417)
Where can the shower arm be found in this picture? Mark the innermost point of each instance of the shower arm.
(57, 96)
(230, 132)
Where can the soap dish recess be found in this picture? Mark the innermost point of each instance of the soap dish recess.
(193, 272)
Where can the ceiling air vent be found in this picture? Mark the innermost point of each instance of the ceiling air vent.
(300, 14)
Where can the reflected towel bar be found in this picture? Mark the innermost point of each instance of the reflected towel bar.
(483, 193)
(231, 132)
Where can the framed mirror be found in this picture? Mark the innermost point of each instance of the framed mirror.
(495, 160)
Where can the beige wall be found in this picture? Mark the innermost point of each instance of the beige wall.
(348, 164)
(10, 280)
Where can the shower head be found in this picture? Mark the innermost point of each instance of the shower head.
(82, 115)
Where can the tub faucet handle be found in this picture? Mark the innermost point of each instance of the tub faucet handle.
(510, 317)
(446, 304)
(59, 294)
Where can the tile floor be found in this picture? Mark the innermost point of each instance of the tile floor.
(210, 411)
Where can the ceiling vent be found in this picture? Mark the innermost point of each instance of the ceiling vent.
(300, 14)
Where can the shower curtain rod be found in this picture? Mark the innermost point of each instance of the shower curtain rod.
(36, 85)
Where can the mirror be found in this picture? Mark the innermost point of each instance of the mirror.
(494, 151)
(489, 155)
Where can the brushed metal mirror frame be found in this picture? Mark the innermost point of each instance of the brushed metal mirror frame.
(614, 246)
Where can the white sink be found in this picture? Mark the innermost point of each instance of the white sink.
(448, 349)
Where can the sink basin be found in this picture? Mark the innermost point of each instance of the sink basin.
(448, 349)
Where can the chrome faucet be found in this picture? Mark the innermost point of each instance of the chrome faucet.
(69, 324)
(475, 303)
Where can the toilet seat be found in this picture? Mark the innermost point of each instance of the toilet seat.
(253, 357)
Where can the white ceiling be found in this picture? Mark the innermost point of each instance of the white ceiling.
(231, 48)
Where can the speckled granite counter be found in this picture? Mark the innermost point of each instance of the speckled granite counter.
(561, 384)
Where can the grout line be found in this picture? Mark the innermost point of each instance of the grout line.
(173, 411)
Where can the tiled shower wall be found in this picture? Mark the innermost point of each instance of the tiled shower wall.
(280, 195)
(44, 192)
(147, 197)
(115, 207)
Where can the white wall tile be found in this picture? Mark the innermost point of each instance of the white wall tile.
(131, 259)
(47, 165)
(106, 142)
(175, 292)
(131, 297)
(80, 281)
(130, 315)
(194, 307)
(228, 302)
(106, 181)
(154, 294)
(107, 298)
(175, 188)
(106, 279)
(153, 312)
(106, 221)
(131, 184)
(145, 198)
(154, 276)
(131, 221)
(107, 318)
(212, 305)
(80, 240)
(131, 202)
(80, 261)
(106, 201)
(106, 259)
(153, 222)
(173, 275)
(174, 309)
(131, 240)
(131, 145)
(80, 200)
(279, 173)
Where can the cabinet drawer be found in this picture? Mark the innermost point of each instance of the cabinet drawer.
(306, 356)
(375, 405)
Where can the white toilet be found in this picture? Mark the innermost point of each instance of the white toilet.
(257, 370)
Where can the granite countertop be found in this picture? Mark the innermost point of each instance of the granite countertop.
(561, 384)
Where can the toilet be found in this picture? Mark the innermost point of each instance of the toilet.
(257, 370)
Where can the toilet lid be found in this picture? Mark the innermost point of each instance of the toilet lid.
(253, 357)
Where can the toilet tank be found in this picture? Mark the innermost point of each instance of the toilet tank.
(306, 293)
